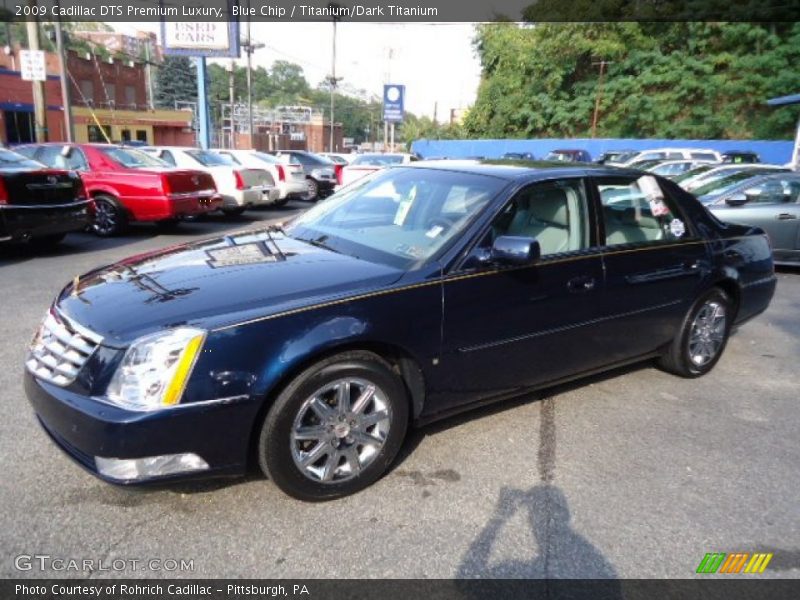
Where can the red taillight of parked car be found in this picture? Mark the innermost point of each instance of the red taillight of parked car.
(281, 173)
(3, 192)
(165, 184)
(337, 168)
(239, 180)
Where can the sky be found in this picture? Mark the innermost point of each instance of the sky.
(435, 61)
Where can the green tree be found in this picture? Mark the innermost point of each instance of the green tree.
(702, 80)
(176, 80)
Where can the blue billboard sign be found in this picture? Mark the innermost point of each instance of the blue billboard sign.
(393, 102)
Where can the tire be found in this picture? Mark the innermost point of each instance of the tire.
(313, 191)
(234, 212)
(336, 463)
(702, 337)
(109, 218)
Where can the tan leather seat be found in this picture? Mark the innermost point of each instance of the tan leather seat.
(544, 215)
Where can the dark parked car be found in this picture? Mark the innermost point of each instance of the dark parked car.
(320, 172)
(416, 293)
(519, 156)
(740, 156)
(568, 156)
(37, 204)
(771, 202)
(616, 157)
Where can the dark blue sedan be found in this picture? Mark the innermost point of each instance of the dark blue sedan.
(414, 293)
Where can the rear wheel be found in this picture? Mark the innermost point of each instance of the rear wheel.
(312, 192)
(109, 216)
(703, 336)
(335, 429)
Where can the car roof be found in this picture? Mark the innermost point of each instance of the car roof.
(521, 170)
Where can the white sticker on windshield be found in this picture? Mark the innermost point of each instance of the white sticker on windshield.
(677, 228)
(434, 231)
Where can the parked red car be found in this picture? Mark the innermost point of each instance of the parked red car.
(129, 185)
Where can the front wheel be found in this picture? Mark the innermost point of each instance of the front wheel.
(702, 338)
(335, 429)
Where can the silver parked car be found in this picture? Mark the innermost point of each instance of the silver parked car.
(771, 202)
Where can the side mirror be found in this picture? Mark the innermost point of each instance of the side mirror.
(737, 199)
(515, 250)
(66, 151)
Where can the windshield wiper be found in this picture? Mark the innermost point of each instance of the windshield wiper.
(278, 229)
(319, 242)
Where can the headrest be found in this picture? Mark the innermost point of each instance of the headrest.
(550, 206)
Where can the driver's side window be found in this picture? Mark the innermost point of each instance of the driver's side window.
(552, 212)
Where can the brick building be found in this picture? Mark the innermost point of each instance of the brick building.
(109, 99)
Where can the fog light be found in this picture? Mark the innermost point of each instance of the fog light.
(132, 469)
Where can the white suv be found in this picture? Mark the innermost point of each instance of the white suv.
(676, 154)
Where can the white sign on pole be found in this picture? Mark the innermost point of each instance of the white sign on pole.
(197, 36)
(32, 65)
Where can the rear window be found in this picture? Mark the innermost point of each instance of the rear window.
(133, 159)
(377, 160)
(211, 159)
(11, 160)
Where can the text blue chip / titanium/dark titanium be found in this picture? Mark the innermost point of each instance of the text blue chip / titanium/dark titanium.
(412, 294)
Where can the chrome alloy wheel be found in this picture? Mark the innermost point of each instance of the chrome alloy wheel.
(707, 333)
(340, 430)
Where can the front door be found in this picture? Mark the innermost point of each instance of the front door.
(506, 329)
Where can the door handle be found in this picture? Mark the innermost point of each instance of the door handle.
(579, 285)
(786, 216)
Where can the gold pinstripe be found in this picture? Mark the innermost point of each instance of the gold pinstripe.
(454, 278)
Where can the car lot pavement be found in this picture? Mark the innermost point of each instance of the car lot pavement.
(634, 473)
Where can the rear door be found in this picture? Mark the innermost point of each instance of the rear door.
(654, 264)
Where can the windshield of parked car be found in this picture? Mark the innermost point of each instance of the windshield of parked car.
(559, 155)
(400, 216)
(713, 189)
(10, 161)
(207, 158)
(378, 160)
(693, 173)
(133, 159)
(267, 158)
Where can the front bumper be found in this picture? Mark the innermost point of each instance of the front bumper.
(25, 222)
(84, 428)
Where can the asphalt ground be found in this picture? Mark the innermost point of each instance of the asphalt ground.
(635, 473)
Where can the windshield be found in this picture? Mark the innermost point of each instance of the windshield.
(400, 217)
(378, 160)
(133, 159)
(11, 160)
(562, 156)
(719, 186)
(207, 158)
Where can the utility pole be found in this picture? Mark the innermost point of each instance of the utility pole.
(65, 93)
(599, 95)
(39, 105)
(148, 74)
(231, 82)
(250, 47)
(334, 7)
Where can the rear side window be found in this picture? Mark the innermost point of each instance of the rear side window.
(703, 156)
(637, 211)
(167, 157)
(210, 159)
(11, 160)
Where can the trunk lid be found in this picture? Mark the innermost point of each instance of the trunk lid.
(45, 187)
(188, 181)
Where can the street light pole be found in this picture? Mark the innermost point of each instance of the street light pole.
(39, 106)
(334, 8)
(250, 47)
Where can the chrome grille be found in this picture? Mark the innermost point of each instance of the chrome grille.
(60, 349)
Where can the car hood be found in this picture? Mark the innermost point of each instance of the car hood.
(213, 283)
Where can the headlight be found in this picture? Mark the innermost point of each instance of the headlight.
(155, 368)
